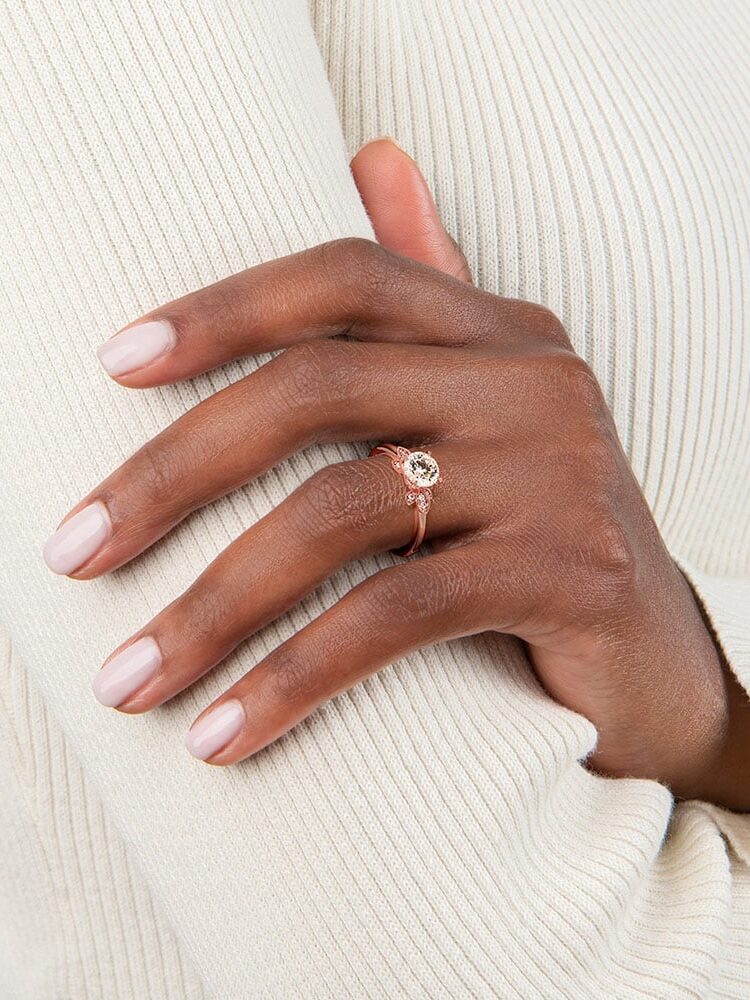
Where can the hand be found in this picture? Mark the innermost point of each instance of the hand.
(539, 529)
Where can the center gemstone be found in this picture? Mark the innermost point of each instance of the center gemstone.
(421, 469)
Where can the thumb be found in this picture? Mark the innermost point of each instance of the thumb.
(402, 210)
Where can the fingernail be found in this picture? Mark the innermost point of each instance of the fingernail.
(78, 539)
(212, 733)
(136, 347)
(126, 672)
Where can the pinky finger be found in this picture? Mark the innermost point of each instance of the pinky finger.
(391, 614)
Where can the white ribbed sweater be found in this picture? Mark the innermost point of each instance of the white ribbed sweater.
(431, 833)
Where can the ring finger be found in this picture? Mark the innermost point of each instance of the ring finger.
(343, 512)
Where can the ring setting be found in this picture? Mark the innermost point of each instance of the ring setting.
(420, 472)
(419, 467)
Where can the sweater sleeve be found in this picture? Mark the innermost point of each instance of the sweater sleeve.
(431, 832)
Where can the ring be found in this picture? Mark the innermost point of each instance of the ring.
(420, 472)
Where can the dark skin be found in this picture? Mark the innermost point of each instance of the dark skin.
(539, 530)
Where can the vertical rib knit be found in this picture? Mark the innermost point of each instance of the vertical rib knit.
(79, 919)
(430, 833)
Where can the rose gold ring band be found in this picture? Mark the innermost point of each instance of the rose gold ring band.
(420, 472)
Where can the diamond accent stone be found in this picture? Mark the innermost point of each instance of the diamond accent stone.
(421, 469)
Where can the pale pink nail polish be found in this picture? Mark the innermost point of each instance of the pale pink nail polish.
(78, 539)
(126, 672)
(212, 733)
(136, 347)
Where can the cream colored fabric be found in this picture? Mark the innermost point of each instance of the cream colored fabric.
(431, 833)
(77, 919)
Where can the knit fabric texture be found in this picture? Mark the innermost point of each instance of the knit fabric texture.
(431, 833)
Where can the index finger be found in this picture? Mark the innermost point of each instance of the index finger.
(351, 286)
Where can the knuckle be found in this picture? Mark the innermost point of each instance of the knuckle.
(338, 497)
(158, 470)
(222, 310)
(586, 389)
(489, 318)
(292, 675)
(616, 551)
(598, 562)
(207, 613)
(318, 379)
(370, 268)
(600, 465)
(351, 249)
(581, 379)
(389, 596)
(595, 549)
(575, 383)
(544, 323)
(612, 559)
(299, 376)
(407, 594)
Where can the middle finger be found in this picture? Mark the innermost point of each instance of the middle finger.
(330, 390)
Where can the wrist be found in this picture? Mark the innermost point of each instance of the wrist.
(726, 778)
